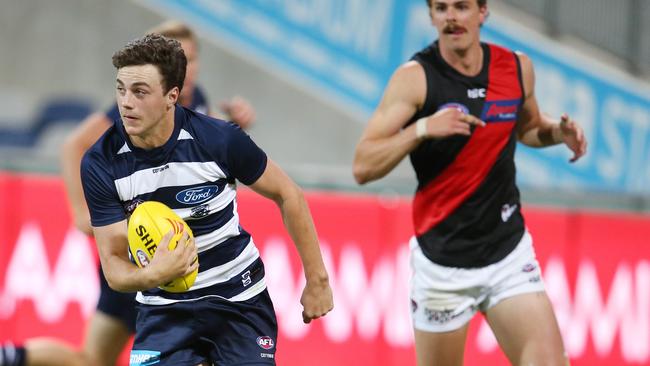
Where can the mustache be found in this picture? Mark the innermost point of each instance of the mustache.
(451, 28)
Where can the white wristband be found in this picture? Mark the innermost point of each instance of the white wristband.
(556, 134)
(421, 128)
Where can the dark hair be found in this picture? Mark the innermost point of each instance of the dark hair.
(164, 53)
(480, 2)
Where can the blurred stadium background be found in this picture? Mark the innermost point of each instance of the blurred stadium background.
(314, 70)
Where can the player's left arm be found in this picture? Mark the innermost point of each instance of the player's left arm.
(73, 148)
(536, 129)
(276, 185)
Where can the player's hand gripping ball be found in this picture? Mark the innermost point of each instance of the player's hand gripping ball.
(149, 222)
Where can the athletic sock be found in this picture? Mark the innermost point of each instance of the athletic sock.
(11, 355)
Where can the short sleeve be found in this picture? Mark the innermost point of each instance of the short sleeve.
(113, 113)
(199, 101)
(246, 161)
(99, 190)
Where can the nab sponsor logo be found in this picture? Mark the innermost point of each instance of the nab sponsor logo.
(500, 111)
(192, 196)
(265, 342)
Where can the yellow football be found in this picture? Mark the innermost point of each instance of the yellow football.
(148, 223)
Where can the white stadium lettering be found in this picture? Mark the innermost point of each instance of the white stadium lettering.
(362, 25)
(591, 314)
(371, 297)
(28, 276)
(624, 310)
(285, 287)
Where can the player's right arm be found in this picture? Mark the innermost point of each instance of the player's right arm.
(385, 142)
(75, 145)
(108, 219)
(124, 276)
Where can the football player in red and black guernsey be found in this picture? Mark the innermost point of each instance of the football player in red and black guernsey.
(457, 108)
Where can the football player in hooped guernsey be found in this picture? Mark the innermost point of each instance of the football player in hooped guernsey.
(458, 108)
(161, 151)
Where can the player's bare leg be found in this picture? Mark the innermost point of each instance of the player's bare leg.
(527, 331)
(440, 349)
(105, 339)
(52, 352)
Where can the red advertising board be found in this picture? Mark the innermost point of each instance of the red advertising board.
(596, 267)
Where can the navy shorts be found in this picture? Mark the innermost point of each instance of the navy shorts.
(119, 305)
(210, 329)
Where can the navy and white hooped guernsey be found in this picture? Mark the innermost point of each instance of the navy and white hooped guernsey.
(194, 173)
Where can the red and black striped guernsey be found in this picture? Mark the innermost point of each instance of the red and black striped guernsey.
(466, 210)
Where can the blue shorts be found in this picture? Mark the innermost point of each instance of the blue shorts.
(119, 305)
(210, 329)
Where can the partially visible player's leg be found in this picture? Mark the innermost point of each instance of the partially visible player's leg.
(527, 331)
(242, 332)
(106, 337)
(443, 301)
(107, 332)
(41, 352)
(445, 349)
(520, 313)
(12, 355)
(52, 352)
(110, 327)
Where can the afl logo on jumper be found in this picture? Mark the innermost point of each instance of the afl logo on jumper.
(458, 106)
(265, 342)
(500, 111)
(195, 195)
(130, 206)
(142, 258)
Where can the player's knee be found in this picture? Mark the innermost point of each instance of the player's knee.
(85, 359)
(542, 356)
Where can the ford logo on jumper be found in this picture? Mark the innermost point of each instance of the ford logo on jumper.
(196, 195)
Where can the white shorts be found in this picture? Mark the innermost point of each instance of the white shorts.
(446, 298)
